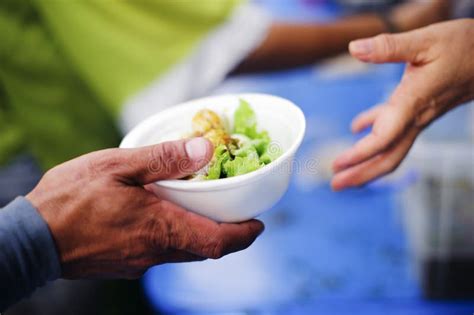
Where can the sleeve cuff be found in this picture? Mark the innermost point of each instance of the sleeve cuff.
(28, 256)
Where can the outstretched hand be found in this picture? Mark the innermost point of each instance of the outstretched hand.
(439, 76)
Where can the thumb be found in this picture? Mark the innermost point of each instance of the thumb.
(403, 47)
(167, 160)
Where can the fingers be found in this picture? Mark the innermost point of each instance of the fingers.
(206, 238)
(186, 231)
(375, 167)
(236, 237)
(175, 256)
(365, 119)
(390, 124)
(364, 149)
(403, 47)
(179, 256)
(175, 159)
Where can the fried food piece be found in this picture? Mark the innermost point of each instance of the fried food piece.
(208, 124)
(206, 120)
(217, 137)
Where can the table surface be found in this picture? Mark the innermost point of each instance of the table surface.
(322, 252)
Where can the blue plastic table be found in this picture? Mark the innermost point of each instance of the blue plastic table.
(322, 252)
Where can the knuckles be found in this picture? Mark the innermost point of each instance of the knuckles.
(214, 249)
(104, 162)
(386, 45)
(157, 234)
(165, 156)
(388, 165)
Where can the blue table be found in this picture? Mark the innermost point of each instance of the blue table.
(322, 252)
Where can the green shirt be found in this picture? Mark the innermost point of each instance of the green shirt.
(67, 66)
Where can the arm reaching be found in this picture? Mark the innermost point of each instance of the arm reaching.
(438, 77)
(291, 44)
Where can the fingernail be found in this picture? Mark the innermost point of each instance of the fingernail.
(196, 148)
(362, 46)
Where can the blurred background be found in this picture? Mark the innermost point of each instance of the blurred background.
(400, 245)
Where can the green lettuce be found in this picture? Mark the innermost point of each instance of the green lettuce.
(221, 156)
(270, 154)
(242, 165)
(254, 150)
(245, 121)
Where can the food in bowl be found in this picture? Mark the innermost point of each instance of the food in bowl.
(238, 151)
(237, 198)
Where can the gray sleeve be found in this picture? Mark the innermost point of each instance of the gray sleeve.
(28, 257)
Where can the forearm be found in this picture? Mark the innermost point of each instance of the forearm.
(28, 257)
(289, 45)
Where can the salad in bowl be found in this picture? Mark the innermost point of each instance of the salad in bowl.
(237, 151)
(255, 138)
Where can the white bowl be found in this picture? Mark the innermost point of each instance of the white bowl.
(238, 198)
